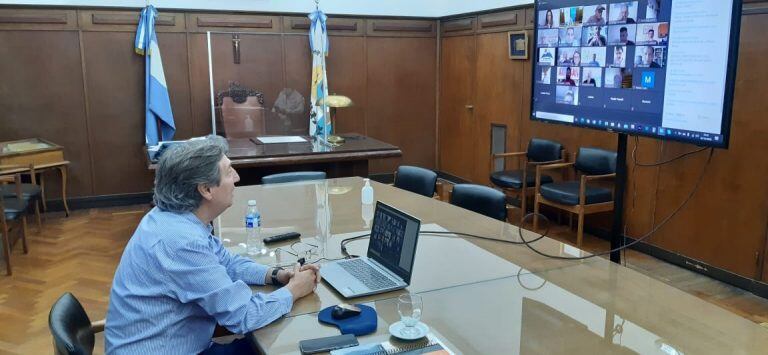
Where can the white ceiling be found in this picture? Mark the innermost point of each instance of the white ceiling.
(414, 8)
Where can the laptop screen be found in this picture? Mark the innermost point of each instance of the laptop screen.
(393, 240)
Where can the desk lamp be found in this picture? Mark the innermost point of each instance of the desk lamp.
(335, 101)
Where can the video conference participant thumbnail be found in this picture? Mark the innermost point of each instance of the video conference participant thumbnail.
(548, 37)
(547, 56)
(545, 75)
(625, 12)
(568, 76)
(619, 56)
(650, 56)
(617, 78)
(653, 33)
(623, 35)
(593, 56)
(567, 95)
(570, 16)
(568, 56)
(652, 11)
(597, 15)
(593, 36)
(547, 19)
(592, 77)
(570, 36)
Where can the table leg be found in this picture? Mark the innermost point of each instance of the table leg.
(63, 170)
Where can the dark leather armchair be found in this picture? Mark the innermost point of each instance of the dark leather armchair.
(240, 112)
(293, 176)
(417, 180)
(481, 199)
(578, 196)
(521, 182)
(72, 330)
(13, 209)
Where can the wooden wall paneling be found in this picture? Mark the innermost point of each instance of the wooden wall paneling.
(498, 80)
(261, 68)
(725, 223)
(37, 19)
(335, 26)
(298, 74)
(115, 88)
(530, 18)
(501, 21)
(457, 86)
(641, 185)
(458, 27)
(199, 83)
(174, 51)
(401, 28)
(201, 22)
(42, 96)
(401, 99)
(346, 67)
(96, 20)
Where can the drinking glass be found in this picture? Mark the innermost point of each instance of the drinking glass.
(409, 307)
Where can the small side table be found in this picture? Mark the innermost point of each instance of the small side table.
(43, 154)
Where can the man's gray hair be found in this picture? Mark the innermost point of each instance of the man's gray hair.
(185, 166)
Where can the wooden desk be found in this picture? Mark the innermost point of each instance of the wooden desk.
(254, 159)
(485, 297)
(43, 154)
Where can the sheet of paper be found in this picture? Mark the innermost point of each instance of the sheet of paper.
(281, 139)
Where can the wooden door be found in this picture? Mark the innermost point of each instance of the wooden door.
(456, 127)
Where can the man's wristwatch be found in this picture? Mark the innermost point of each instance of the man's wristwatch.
(275, 281)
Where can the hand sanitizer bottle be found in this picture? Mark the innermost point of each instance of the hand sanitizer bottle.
(367, 193)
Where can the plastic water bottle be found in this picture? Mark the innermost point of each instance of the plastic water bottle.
(367, 193)
(253, 228)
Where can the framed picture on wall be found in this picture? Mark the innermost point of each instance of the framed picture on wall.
(518, 44)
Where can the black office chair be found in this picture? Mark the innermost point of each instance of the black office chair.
(293, 176)
(521, 182)
(417, 180)
(72, 330)
(481, 199)
(576, 196)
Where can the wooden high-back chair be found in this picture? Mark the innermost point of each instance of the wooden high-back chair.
(578, 196)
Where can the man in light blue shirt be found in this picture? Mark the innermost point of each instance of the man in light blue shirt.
(176, 281)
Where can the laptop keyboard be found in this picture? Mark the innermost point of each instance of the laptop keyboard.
(369, 276)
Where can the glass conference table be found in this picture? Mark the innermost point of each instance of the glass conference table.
(481, 296)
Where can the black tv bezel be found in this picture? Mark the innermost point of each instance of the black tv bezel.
(728, 95)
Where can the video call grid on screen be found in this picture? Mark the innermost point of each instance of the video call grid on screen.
(603, 64)
(393, 239)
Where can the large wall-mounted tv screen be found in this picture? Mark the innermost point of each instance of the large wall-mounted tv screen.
(659, 68)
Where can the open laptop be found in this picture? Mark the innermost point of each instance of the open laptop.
(389, 262)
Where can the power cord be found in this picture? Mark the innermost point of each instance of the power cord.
(344, 242)
(662, 162)
(638, 240)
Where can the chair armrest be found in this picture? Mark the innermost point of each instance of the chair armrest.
(554, 166)
(491, 165)
(598, 177)
(6, 179)
(583, 185)
(535, 163)
(98, 326)
(508, 155)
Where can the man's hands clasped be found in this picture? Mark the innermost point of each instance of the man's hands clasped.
(302, 280)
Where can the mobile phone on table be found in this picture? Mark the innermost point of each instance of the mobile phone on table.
(312, 346)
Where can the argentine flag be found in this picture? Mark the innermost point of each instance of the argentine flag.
(318, 44)
(158, 103)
